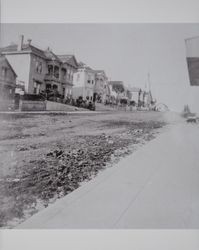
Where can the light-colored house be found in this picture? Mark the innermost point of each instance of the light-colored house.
(147, 99)
(70, 66)
(29, 64)
(141, 98)
(40, 70)
(135, 94)
(7, 83)
(113, 94)
(84, 83)
(101, 90)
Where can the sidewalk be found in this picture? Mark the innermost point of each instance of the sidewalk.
(155, 187)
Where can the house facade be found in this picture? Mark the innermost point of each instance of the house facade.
(101, 89)
(147, 99)
(141, 98)
(40, 71)
(69, 67)
(7, 83)
(84, 83)
(135, 95)
(113, 94)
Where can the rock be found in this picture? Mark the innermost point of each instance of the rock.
(22, 149)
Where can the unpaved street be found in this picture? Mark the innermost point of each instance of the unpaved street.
(155, 187)
(45, 157)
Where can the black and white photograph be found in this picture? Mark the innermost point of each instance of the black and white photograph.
(99, 126)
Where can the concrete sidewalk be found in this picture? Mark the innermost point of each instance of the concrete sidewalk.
(155, 187)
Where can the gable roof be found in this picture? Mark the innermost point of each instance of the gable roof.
(115, 82)
(84, 66)
(100, 71)
(10, 48)
(13, 48)
(69, 59)
(3, 58)
(51, 56)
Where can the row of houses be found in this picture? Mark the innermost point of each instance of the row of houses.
(26, 69)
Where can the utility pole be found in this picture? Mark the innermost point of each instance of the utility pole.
(149, 81)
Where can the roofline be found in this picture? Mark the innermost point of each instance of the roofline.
(22, 52)
(10, 66)
(69, 55)
(15, 52)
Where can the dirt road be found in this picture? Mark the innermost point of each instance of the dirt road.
(45, 157)
(156, 187)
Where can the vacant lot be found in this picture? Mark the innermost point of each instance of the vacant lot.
(44, 157)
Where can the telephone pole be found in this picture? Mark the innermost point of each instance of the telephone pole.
(149, 81)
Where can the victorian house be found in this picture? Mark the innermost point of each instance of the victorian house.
(84, 83)
(41, 71)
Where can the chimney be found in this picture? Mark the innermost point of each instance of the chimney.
(29, 41)
(20, 43)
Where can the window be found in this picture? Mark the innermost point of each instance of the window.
(50, 69)
(78, 77)
(88, 81)
(48, 86)
(56, 71)
(38, 67)
(4, 71)
(36, 88)
(92, 81)
(63, 73)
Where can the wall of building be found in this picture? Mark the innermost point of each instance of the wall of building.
(79, 78)
(37, 74)
(70, 72)
(10, 77)
(68, 90)
(89, 85)
(101, 88)
(84, 82)
(21, 65)
(135, 96)
(77, 91)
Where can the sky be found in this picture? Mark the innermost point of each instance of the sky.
(127, 52)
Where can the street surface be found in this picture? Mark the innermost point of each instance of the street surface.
(44, 157)
(155, 187)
